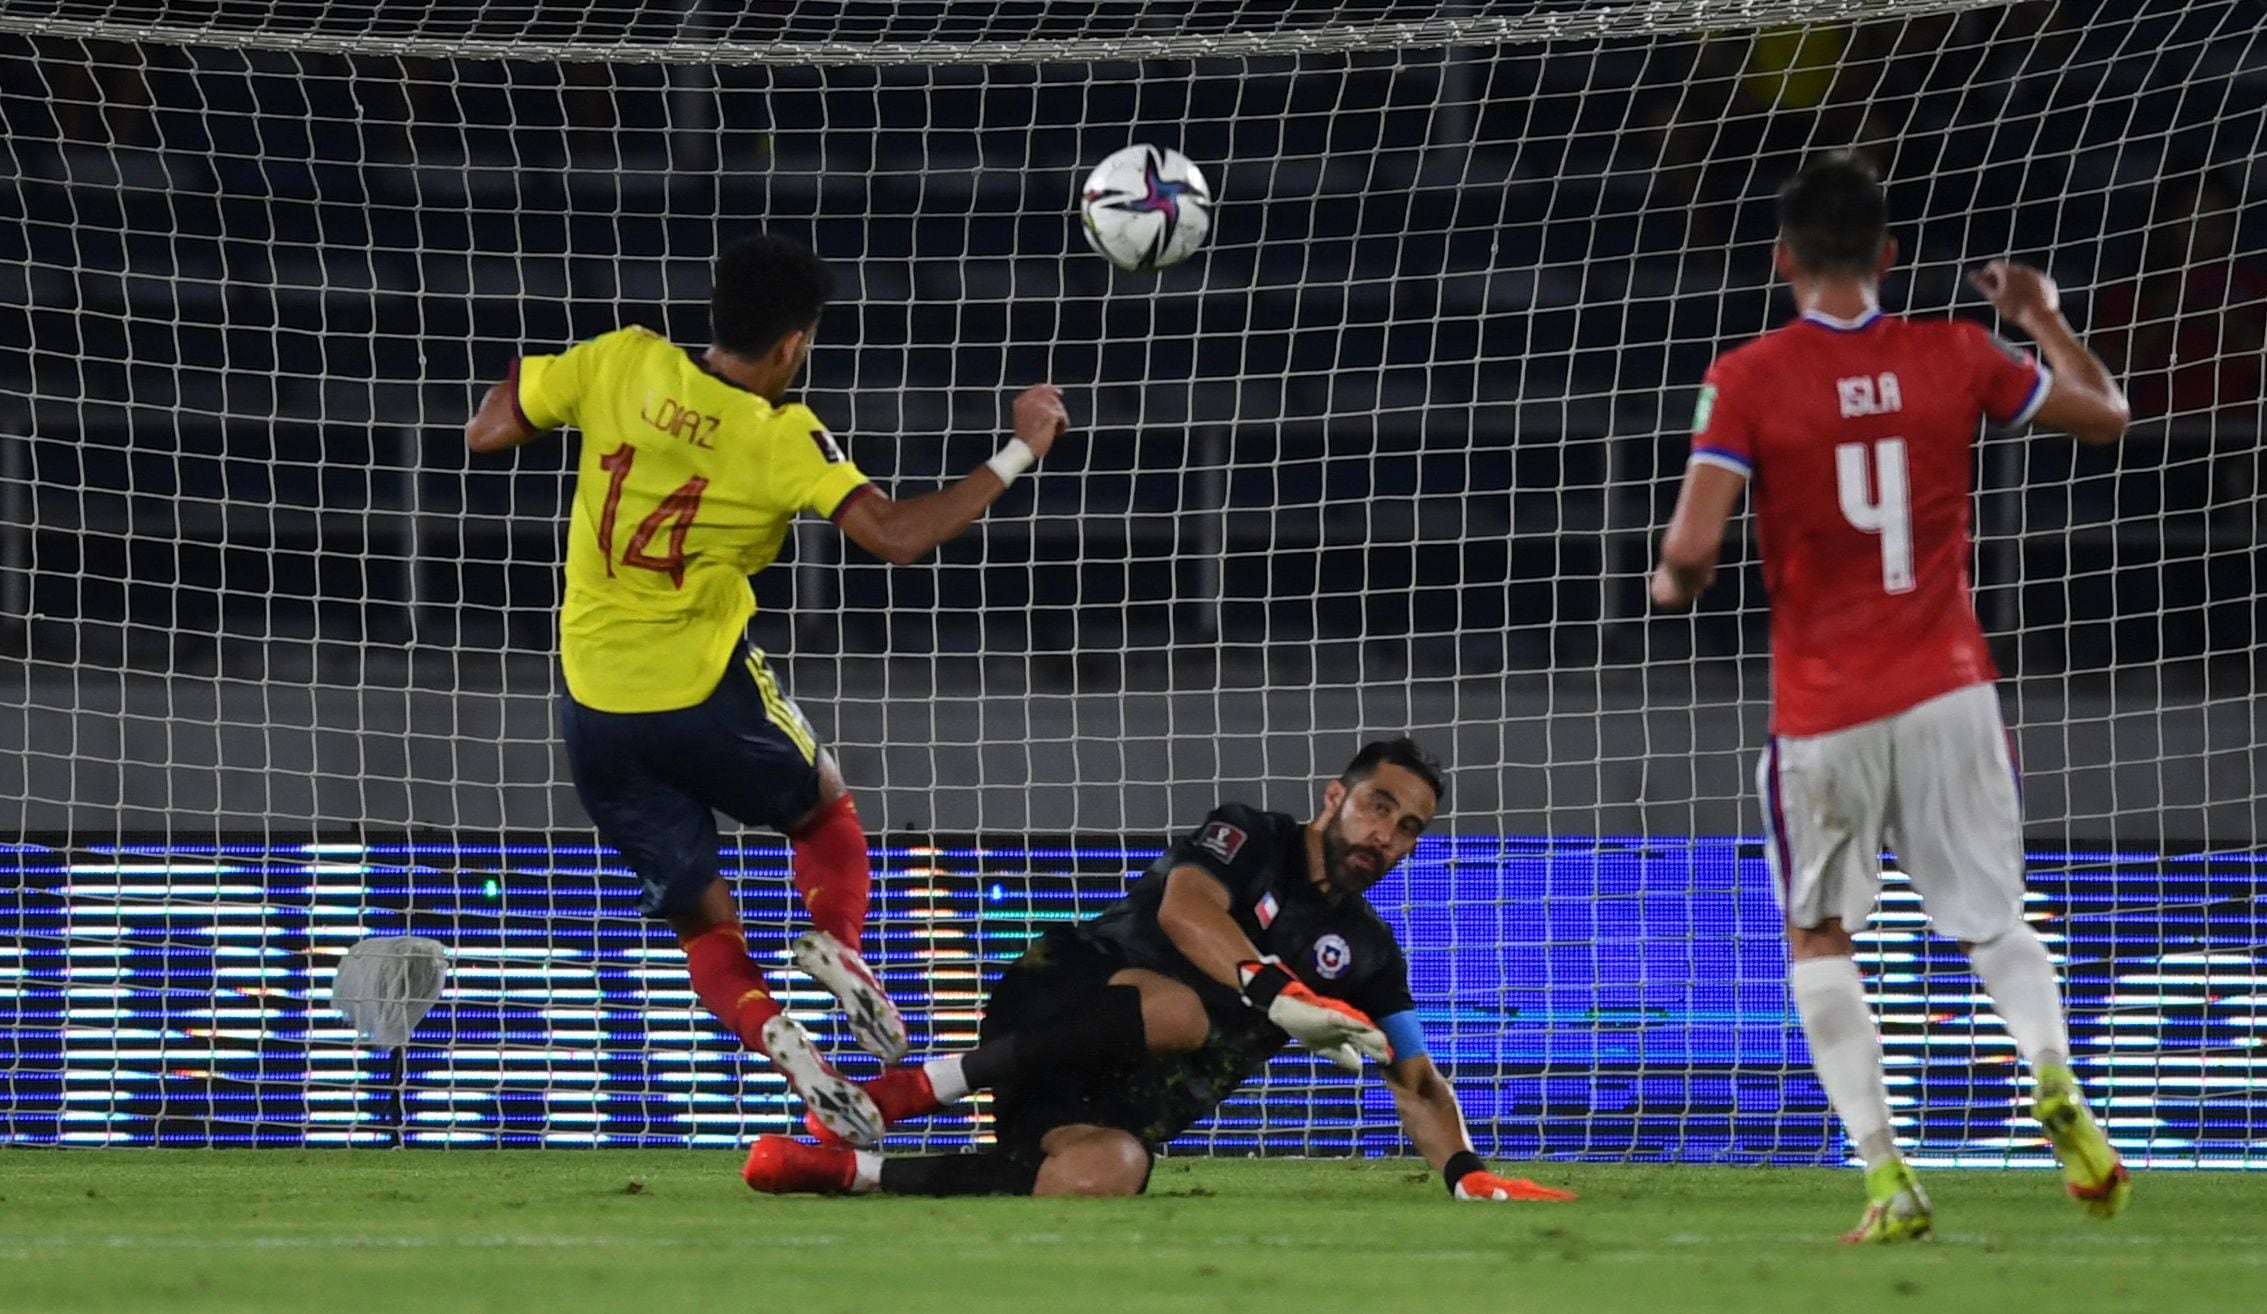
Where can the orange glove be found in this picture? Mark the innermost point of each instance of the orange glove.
(1332, 1028)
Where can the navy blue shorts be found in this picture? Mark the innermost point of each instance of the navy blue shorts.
(653, 781)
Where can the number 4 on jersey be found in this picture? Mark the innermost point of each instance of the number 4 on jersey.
(1877, 498)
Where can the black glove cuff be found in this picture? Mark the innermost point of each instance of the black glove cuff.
(1460, 1165)
(1265, 981)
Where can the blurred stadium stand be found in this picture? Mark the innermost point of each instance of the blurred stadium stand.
(1423, 399)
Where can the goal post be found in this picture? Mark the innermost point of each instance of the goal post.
(277, 664)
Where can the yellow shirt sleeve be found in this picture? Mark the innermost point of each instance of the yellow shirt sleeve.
(550, 389)
(814, 472)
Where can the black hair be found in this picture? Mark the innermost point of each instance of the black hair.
(766, 288)
(1833, 216)
(1402, 752)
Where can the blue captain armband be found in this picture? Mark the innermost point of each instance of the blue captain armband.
(1404, 1034)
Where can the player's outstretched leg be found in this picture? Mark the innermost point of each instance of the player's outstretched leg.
(1845, 1048)
(1104, 1029)
(2018, 974)
(834, 876)
(779, 1166)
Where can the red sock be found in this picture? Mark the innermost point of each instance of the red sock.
(729, 983)
(832, 872)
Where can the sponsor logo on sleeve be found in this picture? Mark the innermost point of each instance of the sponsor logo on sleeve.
(1704, 408)
(1222, 840)
(1333, 956)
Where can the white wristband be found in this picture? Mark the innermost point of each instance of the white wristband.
(1011, 460)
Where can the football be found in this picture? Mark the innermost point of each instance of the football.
(1146, 207)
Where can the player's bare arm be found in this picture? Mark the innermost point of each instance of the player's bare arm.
(1429, 1113)
(498, 425)
(904, 532)
(1434, 1123)
(1695, 539)
(1194, 916)
(2084, 401)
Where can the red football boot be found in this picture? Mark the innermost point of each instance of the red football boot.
(779, 1166)
(899, 1094)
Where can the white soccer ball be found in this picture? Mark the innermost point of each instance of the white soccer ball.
(1146, 207)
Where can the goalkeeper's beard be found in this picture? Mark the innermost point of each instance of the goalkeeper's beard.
(1338, 876)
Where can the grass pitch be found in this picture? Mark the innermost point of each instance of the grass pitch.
(666, 1232)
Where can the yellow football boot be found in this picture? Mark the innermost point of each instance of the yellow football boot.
(1897, 1209)
(2091, 1170)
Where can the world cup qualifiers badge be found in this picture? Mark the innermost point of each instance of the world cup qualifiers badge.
(1222, 841)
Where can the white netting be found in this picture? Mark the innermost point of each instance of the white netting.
(1390, 454)
(947, 32)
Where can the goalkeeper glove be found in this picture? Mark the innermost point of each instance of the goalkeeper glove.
(1468, 1178)
(1337, 1031)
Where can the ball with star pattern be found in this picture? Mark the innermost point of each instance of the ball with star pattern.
(1146, 207)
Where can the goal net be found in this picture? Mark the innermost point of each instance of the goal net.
(1391, 454)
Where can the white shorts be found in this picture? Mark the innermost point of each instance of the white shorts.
(1934, 783)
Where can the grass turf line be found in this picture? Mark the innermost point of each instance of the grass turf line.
(669, 1231)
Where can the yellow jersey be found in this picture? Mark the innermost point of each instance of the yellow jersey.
(685, 487)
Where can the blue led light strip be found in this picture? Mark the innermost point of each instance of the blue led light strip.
(1609, 998)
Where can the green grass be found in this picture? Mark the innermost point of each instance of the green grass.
(663, 1232)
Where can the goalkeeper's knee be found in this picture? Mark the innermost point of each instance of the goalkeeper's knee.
(1093, 1161)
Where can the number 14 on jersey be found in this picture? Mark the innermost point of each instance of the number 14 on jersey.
(674, 512)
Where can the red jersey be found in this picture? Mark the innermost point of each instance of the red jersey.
(1858, 437)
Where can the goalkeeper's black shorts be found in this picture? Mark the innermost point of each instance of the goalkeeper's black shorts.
(1059, 973)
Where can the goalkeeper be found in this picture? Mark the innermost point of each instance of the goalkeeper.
(1110, 1037)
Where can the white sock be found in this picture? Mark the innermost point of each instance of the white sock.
(945, 1080)
(2018, 974)
(1845, 1048)
(869, 1172)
